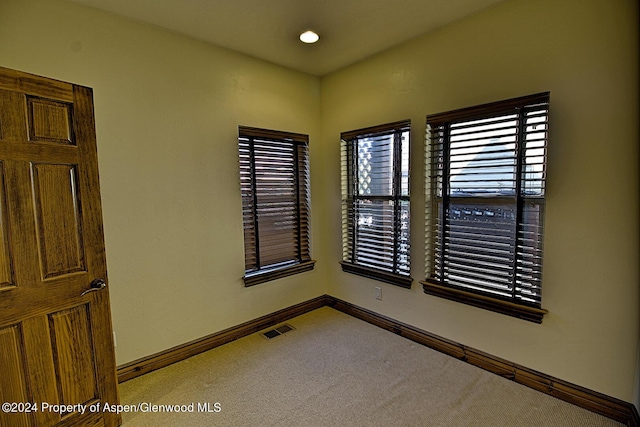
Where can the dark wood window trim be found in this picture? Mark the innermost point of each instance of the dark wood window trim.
(277, 273)
(524, 312)
(274, 181)
(375, 274)
(445, 222)
(368, 251)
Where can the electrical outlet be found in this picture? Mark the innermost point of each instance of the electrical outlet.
(378, 292)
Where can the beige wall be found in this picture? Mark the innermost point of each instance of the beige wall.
(167, 111)
(167, 116)
(586, 54)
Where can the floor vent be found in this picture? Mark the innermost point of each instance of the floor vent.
(283, 329)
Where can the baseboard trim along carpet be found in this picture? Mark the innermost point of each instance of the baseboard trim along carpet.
(599, 403)
(167, 357)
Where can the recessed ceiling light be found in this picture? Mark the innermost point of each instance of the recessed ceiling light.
(309, 37)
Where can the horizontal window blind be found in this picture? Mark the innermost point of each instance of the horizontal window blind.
(274, 180)
(487, 171)
(375, 195)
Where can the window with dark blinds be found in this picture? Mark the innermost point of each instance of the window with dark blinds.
(486, 178)
(375, 202)
(274, 181)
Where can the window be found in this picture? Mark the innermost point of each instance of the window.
(274, 180)
(486, 179)
(375, 202)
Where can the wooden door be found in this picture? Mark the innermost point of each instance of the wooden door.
(56, 343)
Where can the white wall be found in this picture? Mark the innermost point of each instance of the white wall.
(586, 54)
(167, 111)
(167, 115)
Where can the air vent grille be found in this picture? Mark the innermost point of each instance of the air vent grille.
(280, 330)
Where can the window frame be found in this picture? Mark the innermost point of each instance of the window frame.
(350, 197)
(255, 271)
(437, 171)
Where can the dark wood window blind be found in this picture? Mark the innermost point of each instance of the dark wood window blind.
(274, 181)
(486, 177)
(375, 202)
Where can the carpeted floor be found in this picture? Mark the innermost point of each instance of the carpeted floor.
(335, 370)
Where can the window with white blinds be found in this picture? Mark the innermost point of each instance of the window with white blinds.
(486, 176)
(375, 202)
(274, 181)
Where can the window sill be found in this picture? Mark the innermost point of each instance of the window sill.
(524, 312)
(372, 273)
(262, 276)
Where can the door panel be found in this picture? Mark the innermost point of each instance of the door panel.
(49, 121)
(73, 346)
(56, 343)
(6, 270)
(58, 218)
(13, 385)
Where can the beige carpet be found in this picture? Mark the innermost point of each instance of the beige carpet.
(335, 370)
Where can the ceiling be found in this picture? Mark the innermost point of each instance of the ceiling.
(350, 30)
